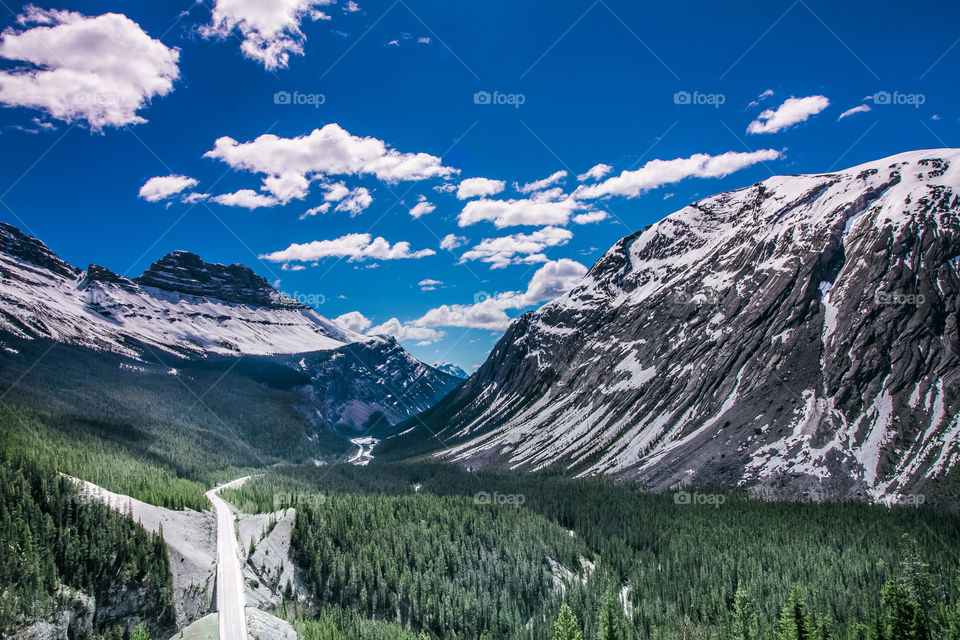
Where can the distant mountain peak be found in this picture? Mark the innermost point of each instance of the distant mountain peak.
(186, 273)
(452, 369)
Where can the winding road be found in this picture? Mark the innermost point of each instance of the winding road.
(230, 591)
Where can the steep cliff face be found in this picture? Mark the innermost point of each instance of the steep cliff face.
(798, 337)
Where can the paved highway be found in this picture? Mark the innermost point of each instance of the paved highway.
(230, 593)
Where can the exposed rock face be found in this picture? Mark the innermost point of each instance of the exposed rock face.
(17, 244)
(372, 385)
(184, 272)
(797, 337)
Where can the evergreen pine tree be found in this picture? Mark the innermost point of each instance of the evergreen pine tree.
(567, 627)
(608, 623)
(744, 623)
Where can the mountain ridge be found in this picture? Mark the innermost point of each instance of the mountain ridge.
(738, 342)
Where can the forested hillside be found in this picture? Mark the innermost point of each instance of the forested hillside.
(494, 555)
(61, 549)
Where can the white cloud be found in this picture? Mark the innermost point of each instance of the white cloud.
(849, 112)
(270, 31)
(760, 98)
(657, 173)
(287, 186)
(404, 332)
(357, 200)
(352, 7)
(550, 281)
(192, 198)
(424, 40)
(354, 321)
(328, 151)
(335, 191)
(590, 216)
(595, 172)
(518, 247)
(356, 247)
(422, 208)
(429, 284)
(393, 43)
(323, 208)
(100, 70)
(473, 187)
(246, 198)
(540, 209)
(451, 242)
(791, 112)
(540, 185)
(163, 187)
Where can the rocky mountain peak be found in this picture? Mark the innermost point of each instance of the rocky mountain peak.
(186, 273)
(795, 336)
(21, 246)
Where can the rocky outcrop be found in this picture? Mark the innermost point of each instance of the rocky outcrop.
(185, 273)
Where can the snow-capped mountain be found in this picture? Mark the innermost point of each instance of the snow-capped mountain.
(183, 307)
(798, 337)
(452, 369)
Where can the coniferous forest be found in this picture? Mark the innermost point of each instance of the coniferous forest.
(451, 554)
(60, 548)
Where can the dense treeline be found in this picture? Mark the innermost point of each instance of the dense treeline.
(673, 569)
(82, 454)
(446, 565)
(54, 539)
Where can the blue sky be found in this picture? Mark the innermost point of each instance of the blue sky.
(581, 84)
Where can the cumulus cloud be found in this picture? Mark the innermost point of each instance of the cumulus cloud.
(269, 31)
(473, 187)
(595, 172)
(590, 216)
(517, 248)
(328, 151)
(287, 186)
(791, 112)
(551, 207)
(550, 281)
(99, 70)
(657, 173)
(429, 284)
(849, 112)
(422, 208)
(246, 198)
(540, 185)
(451, 242)
(354, 321)
(163, 187)
(335, 191)
(404, 332)
(355, 247)
(355, 202)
